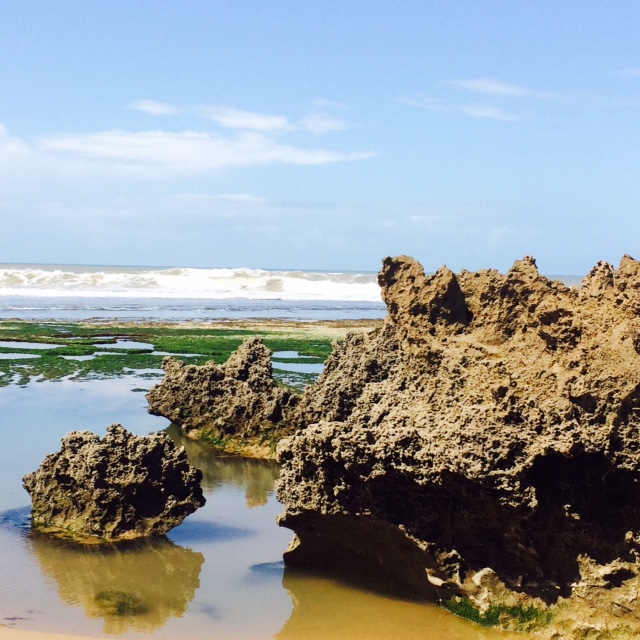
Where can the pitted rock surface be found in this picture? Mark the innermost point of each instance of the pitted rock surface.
(119, 487)
(239, 397)
(494, 420)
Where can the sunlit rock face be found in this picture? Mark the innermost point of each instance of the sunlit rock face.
(119, 487)
(238, 398)
(494, 419)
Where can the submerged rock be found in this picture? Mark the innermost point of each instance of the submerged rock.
(494, 423)
(238, 398)
(119, 487)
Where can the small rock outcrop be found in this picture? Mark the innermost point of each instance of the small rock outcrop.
(120, 487)
(493, 425)
(238, 398)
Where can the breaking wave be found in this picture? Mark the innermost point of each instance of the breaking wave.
(186, 283)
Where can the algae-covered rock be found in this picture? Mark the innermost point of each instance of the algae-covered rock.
(119, 487)
(238, 398)
(494, 420)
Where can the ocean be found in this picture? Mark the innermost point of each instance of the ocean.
(182, 294)
(178, 294)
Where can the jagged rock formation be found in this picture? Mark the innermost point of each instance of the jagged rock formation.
(120, 487)
(238, 398)
(493, 423)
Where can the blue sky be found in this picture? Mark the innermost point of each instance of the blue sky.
(320, 135)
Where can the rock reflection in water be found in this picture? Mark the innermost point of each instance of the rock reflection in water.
(132, 586)
(326, 608)
(256, 476)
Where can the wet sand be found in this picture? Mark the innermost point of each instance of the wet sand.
(313, 328)
(6, 633)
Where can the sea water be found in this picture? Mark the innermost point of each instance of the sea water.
(72, 292)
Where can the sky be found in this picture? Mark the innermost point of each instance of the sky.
(320, 135)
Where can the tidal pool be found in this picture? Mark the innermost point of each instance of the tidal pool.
(218, 575)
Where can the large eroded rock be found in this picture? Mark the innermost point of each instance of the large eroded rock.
(238, 398)
(494, 423)
(119, 487)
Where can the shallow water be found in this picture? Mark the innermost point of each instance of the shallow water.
(16, 344)
(124, 344)
(75, 308)
(18, 356)
(218, 575)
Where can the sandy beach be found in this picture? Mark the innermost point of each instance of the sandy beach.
(6, 633)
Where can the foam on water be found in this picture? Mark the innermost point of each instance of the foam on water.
(75, 293)
(38, 281)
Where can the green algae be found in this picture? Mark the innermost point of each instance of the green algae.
(513, 617)
(195, 345)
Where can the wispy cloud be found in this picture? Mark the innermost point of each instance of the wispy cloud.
(152, 155)
(490, 112)
(154, 108)
(494, 99)
(162, 153)
(228, 117)
(491, 87)
(323, 103)
(481, 111)
(246, 120)
(316, 123)
(10, 146)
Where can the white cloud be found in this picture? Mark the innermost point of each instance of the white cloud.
(246, 120)
(241, 198)
(318, 123)
(496, 93)
(160, 154)
(323, 103)
(11, 147)
(236, 198)
(497, 88)
(489, 112)
(481, 111)
(245, 139)
(154, 108)
(427, 102)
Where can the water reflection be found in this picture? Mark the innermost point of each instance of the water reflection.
(326, 608)
(155, 587)
(136, 586)
(257, 477)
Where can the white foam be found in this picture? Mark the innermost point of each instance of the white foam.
(187, 283)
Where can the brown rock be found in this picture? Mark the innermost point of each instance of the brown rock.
(119, 487)
(238, 398)
(494, 420)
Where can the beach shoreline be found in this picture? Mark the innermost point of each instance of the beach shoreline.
(8, 633)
